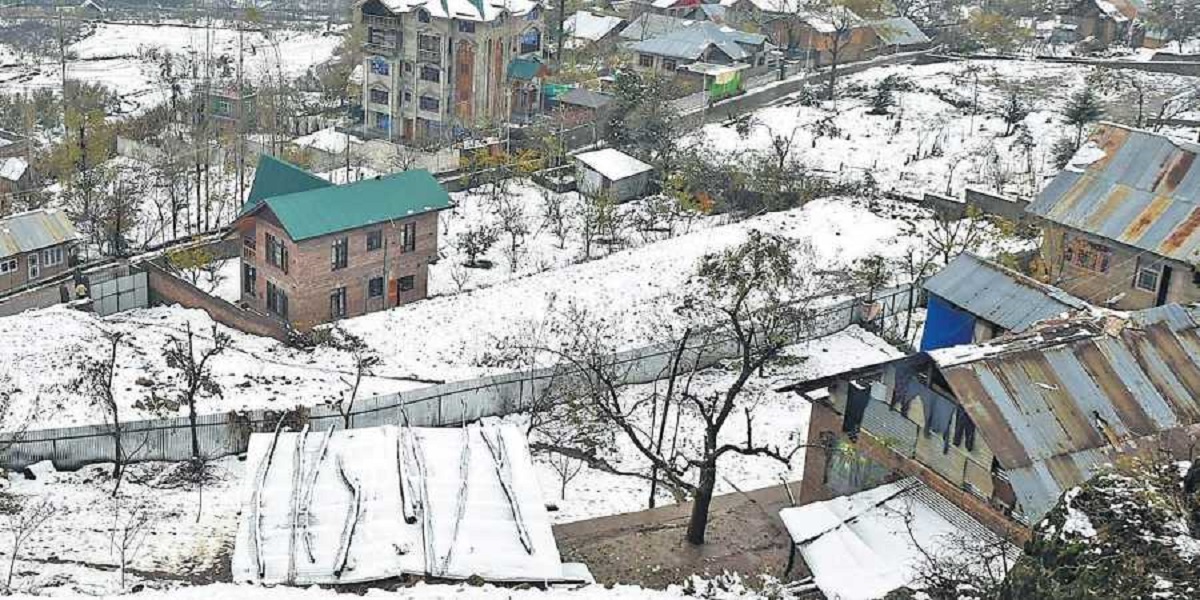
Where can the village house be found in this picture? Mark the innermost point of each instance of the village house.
(15, 177)
(899, 34)
(581, 105)
(227, 107)
(35, 246)
(314, 252)
(588, 31)
(1003, 428)
(973, 300)
(435, 70)
(1120, 222)
(710, 56)
(1107, 22)
(806, 32)
(650, 25)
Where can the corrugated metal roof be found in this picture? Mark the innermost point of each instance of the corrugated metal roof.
(1052, 401)
(585, 97)
(33, 230)
(999, 295)
(1142, 190)
(650, 25)
(899, 31)
(691, 42)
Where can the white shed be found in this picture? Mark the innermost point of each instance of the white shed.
(612, 172)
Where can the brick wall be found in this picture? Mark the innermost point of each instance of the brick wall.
(20, 277)
(310, 279)
(166, 288)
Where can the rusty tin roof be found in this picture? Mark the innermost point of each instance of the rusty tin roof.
(1138, 188)
(1053, 402)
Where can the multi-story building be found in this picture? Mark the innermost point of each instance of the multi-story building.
(434, 69)
(315, 252)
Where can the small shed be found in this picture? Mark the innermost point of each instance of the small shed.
(612, 172)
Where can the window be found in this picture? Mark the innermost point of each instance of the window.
(379, 96)
(375, 287)
(222, 107)
(531, 41)
(1088, 255)
(374, 240)
(277, 253)
(337, 303)
(429, 73)
(339, 254)
(249, 247)
(32, 261)
(380, 37)
(466, 26)
(407, 67)
(277, 300)
(429, 43)
(249, 280)
(645, 60)
(408, 237)
(52, 256)
(407, 282)
(407, 97)
(1147, 278)
(430, 103)
(380, 66)
(668, 64)
(423, 15)
(8, 266)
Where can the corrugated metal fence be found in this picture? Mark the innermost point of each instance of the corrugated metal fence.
(439, 405)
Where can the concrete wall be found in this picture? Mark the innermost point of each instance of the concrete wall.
(19, 277)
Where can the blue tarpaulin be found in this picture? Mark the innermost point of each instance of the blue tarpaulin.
(946, 325)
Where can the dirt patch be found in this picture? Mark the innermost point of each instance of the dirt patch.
(647, 548)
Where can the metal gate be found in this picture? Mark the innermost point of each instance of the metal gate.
(121, 293)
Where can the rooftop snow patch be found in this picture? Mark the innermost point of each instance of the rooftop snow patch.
(369, 504)
(613, 164)
(13, 168)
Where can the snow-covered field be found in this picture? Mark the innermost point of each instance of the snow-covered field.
(927, 144)
(115, 54)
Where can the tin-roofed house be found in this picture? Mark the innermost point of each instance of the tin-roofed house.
(899, 34)
(34, 246)
(1003, 428)
(714, 56)
(612, 173)
(315, 252)
(973, 300)
(1121, 223)
(1107, 22)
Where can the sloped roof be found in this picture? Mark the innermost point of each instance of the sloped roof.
(999, 295)
(1120, 10)
(590, 26)
(325, 210)
(33, 230)
(276, 177)
(867, 544)
(383, 502)
(13, 168)
(649, 25)
(526, 69)
(613, 164)
(1138, 188)
(585, 97)
(1056, 401)
(899, 31)
(691, 42)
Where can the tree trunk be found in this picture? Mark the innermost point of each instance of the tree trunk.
(192, 426)
(698, 523)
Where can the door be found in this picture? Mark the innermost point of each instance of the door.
(1164, 284)
(32, 261)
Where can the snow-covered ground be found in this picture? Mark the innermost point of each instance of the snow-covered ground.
(926, 144)
(115, 54)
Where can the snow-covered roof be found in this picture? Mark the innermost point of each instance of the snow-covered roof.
(862, 546)
(33, 230)
(613, 164)
(13, 168)
(356, 75)
(469, 10)
(366, 504)
(327, 140)
(649, 25)
(584, 25)
(899, 31)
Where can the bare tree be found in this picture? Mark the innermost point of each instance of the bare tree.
(554, 216)
(476, 241)
(133, 521)
(950, 237)
(364, 362)
(751, 297)
(24, 518)
(193, 363)
(96, 384)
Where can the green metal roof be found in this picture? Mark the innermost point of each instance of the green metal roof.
(276, 177)
(322, 211)
(525, 69)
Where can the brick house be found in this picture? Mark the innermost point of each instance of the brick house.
(34, 246)
(1120, 222)
(313, 252)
